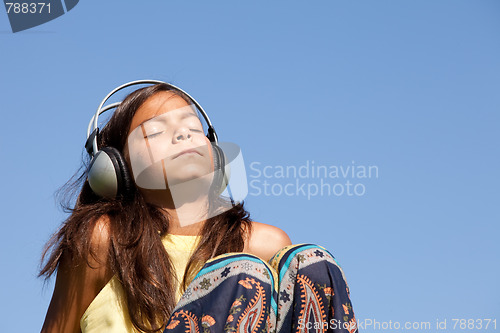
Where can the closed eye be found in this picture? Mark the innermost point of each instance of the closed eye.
(153, 135)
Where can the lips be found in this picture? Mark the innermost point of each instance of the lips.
(192, 150)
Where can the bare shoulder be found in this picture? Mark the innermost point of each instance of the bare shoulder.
(100, 240)
(97, 266)
(79, 281)
(265, 240)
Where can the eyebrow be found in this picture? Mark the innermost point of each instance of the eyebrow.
(183, 116)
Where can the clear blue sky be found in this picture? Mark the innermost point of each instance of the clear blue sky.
(411, 87)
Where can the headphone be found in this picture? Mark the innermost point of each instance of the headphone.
(108, 175)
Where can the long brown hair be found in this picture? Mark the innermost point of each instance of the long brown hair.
(137, 255)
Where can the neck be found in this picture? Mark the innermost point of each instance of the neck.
(188, 219)
(187, 210)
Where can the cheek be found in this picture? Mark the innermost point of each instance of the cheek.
(143, 156)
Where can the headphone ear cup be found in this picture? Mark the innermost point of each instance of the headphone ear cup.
(124, 178)
(108, 175)
(221, 170)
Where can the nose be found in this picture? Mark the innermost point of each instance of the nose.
(182, 134)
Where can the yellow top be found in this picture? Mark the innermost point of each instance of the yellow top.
(108, 311)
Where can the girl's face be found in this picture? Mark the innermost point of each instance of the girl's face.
(166, 143)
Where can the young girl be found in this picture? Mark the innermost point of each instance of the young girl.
(164, 251)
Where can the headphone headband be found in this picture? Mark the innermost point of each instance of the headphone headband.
(93, 129)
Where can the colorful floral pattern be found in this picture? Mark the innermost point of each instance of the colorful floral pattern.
(301, 289)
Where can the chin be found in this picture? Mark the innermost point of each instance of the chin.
(153, 177)
(191, 179)
(187, 170)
